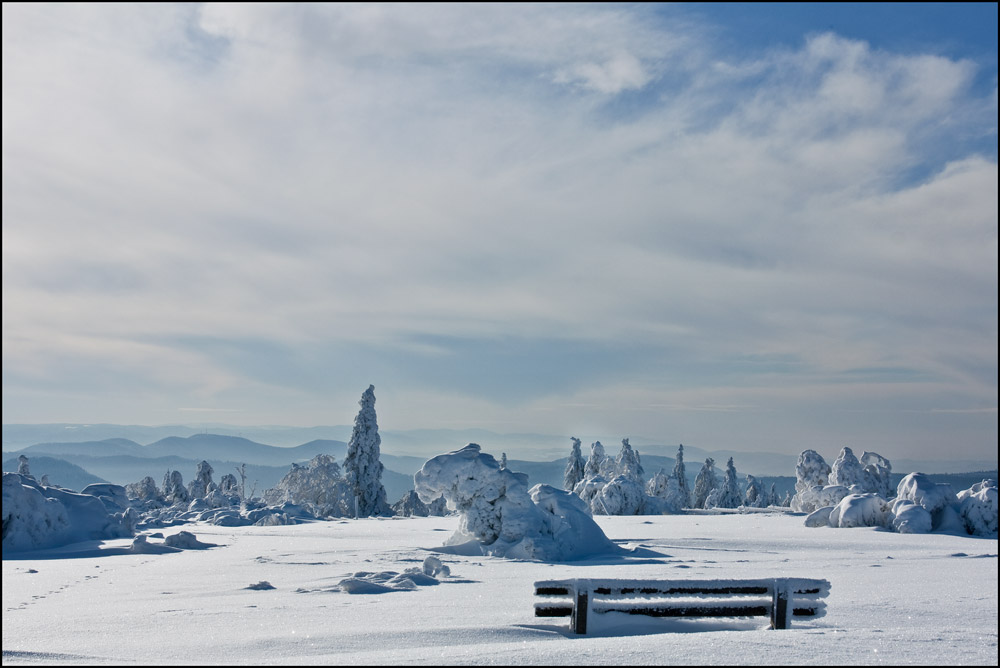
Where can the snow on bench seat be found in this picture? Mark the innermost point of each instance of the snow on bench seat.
(778, 598)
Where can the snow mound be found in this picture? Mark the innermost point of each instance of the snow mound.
(366, 582)
(186, 540)
(263, 585)
(38, 517)
(505, 519)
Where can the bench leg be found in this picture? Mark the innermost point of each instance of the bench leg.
(578, 622)
(779, 607)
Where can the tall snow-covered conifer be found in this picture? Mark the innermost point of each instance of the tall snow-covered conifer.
(362, 467)
(574, 467)
(681, 475)
(731, 496)
(704, 483)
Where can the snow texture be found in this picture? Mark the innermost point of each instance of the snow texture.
(362, 465)
(501, 517)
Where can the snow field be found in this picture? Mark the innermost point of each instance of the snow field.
(895, 598)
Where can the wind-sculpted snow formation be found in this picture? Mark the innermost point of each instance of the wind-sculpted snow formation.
(500, 516)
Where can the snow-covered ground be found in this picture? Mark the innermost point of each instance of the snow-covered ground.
(926, 599)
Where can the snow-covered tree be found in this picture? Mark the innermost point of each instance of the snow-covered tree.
(597, 463)
(681, 475)
(228, 485)
(772, 497)
(202, 483)
(704, 483)
(729, 495)
(22, 466)
(410, 505)
(754, 497)
(847, 470)
(503, 516)
(503, 460)
(144, 491)
(574, 467)
(627, 463)
(812, 475)
(666, 489)
(319, 485)
(878, 474)
(174, 491)
(362, 465)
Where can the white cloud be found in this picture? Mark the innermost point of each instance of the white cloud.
(323, 176)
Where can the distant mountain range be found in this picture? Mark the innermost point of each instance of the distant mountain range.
(114, 453)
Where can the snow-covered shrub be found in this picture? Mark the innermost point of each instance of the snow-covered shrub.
(506, 519)
(935, 498)
(819, 517)
(978, 508)
(318, 485)
(861, 510)
(910, 517)
(622, 495)
(812, 498)
(362, 465)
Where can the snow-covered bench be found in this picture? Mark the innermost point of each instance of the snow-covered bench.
(777, 598)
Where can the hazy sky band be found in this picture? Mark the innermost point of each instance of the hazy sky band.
(648, 220)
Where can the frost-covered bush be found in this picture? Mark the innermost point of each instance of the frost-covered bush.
(319, 485)
(501, 517)
(362, 465)
(861, 510)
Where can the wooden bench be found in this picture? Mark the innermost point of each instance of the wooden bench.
(777, 598)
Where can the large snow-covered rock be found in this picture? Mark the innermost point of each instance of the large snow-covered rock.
(501, 517)
(37, 517)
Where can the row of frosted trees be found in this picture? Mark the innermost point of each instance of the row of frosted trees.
(616, 486)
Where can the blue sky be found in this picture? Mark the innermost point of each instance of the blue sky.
(749, 227)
